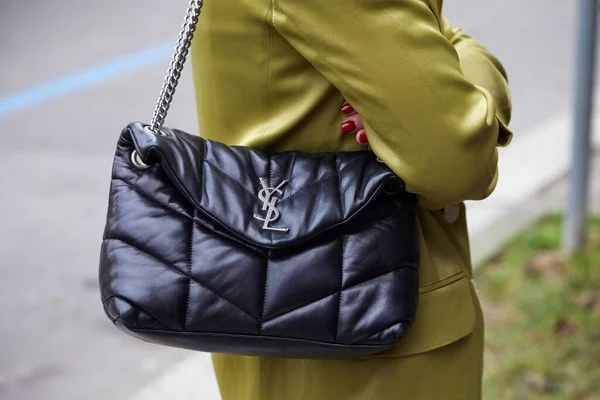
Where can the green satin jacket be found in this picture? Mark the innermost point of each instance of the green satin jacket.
(272, 74)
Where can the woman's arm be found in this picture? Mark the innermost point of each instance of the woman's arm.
(483, 69)
(425, 119)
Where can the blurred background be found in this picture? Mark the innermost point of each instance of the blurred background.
(74, 73)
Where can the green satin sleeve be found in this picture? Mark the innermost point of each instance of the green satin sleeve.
(482, 68)
(434, 126)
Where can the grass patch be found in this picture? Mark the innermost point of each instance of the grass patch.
(542, 317)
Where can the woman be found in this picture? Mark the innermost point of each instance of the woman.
(434, 105)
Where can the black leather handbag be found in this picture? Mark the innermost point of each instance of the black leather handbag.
(227, 249)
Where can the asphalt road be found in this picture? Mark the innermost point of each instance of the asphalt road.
(56, 145)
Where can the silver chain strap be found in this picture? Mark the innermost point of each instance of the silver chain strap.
(176, 66)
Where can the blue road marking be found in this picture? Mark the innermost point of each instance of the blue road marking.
(86, 78)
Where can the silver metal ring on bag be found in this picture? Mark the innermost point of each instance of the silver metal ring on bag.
(158, 132)
(136, 160)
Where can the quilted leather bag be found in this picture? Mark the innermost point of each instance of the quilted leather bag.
(228, 249)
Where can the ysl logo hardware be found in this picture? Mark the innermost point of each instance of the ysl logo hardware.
(269, 200)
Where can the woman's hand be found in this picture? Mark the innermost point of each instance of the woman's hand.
(353, 124)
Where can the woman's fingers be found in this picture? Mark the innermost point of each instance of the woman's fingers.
(347, 109)
(361, 137)
(353, 124)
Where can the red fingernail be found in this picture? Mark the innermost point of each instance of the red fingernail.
(347, 108)
(348, 126)
(362, 138)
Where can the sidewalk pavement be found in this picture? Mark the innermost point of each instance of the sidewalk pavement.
(532, 182)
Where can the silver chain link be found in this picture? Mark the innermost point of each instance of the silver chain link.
(176, 66)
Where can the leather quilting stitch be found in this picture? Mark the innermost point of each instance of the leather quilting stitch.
(377, 277)
(269, 170)
(196, 220)
(339, 185)
(266, 279)
(379, 331)
(339, 309)
(190, 263)
(150, 197)
(228, 177)
(308, 186)
(318, 181)
(136, 306)
(233, 239)
(298, 307)
(182, 273)
(343, 290)
(377, 222)
(202, 172)
(350, 163)
(291, 171)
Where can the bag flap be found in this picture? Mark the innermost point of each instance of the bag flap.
(272, 200)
